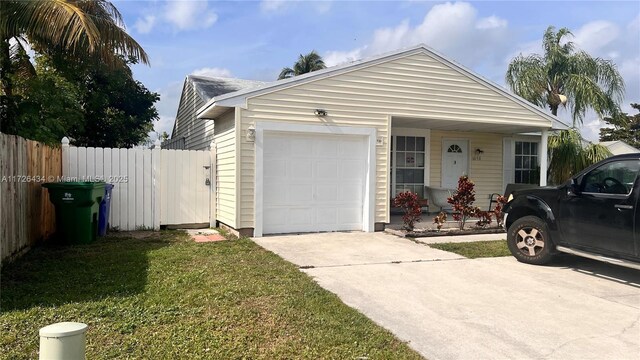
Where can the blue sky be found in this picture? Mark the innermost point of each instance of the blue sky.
(255, 39)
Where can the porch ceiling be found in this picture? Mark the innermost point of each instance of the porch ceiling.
(456, 125)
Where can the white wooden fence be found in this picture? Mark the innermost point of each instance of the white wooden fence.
(152, 187)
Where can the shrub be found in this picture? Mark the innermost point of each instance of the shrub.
(484, 218)
(440, 219)
(498, 209)
(408, 202)
(462, 201)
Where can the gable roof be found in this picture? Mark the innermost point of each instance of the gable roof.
(238, 98)
(208, 87)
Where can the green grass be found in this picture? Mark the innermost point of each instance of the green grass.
(476, 249)
(159, 296)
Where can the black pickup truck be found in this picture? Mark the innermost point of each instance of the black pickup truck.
(595, 215)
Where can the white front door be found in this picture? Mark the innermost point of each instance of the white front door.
(455, 162)
(313, 182)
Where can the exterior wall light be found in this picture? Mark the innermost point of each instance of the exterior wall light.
(251, 134)
(320, 112)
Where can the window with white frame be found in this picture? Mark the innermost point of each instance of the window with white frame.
(408, 164)
(527, 170)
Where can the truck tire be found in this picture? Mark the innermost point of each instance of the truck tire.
(529, 242)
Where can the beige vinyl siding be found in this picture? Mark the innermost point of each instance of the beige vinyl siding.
(198, 133)
(415, 86)
(225, 138)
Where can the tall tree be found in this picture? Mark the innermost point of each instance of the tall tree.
(305, 64)
(88, 101)
(564, 76)
(625, 128)
(82, 28)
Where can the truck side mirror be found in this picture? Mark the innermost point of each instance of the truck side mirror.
(573, 189)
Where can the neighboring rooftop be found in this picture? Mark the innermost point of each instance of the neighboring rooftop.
(619, 147)
(209, 87)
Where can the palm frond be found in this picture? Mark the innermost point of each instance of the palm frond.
(286, 73)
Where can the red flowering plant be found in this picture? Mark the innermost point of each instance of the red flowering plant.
(408, 202)
(498, 209)
(462, 201)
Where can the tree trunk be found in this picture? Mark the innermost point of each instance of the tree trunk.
(554, 109)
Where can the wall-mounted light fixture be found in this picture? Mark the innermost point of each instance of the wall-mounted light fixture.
(251, 134)
(320, 112)
(478, 154)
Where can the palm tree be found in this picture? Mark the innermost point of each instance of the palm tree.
(565, 77)
(79, 28)
(305, 64)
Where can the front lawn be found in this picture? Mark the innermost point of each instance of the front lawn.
(476, 249)
(160, 296)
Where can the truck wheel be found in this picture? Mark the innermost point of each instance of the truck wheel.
(528, 240)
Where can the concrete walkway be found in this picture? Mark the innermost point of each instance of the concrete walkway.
(448, 307)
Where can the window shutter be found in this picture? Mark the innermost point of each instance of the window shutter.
(508, 162)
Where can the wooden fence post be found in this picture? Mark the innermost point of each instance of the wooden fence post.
(213, 184)
(155, 170)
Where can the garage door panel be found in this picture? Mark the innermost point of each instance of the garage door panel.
(352, 215)
(351, 149)
(313, 182)
(301, 147)
(276, 217)
(351, 170)
(299, 193)
(274, 168)
(350, 193)
(327, 192)
(326, 169)
(327, 148)
(327, 216)
(276, 145)
(300, 170)
(276, 195)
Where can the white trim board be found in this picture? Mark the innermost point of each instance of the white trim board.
(368, 211)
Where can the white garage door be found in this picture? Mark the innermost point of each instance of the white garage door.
(313, 182)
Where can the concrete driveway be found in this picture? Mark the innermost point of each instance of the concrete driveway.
(448, 307)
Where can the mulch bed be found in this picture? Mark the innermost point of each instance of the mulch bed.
(453, 232)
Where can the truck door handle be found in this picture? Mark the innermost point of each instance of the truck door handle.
(623, 207)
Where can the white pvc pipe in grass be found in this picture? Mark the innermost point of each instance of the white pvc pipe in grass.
(63, 341)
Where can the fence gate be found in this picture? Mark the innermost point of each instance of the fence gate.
(152, 187)
(185, 187)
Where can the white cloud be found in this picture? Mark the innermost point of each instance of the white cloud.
(213, 72)
(190, 14)
(181, 15)
(596, 36)
(145, 25)
(280, 6)
(491, 22)
(272, 5)
(451, 28)
(332, 58)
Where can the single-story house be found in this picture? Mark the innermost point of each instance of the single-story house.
(619, 147)
(328, 150)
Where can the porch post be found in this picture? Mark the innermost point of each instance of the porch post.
(544, 135)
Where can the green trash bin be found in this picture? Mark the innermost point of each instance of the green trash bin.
(77, 206)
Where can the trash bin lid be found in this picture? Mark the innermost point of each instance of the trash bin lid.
(70, 185)
(63, 329)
